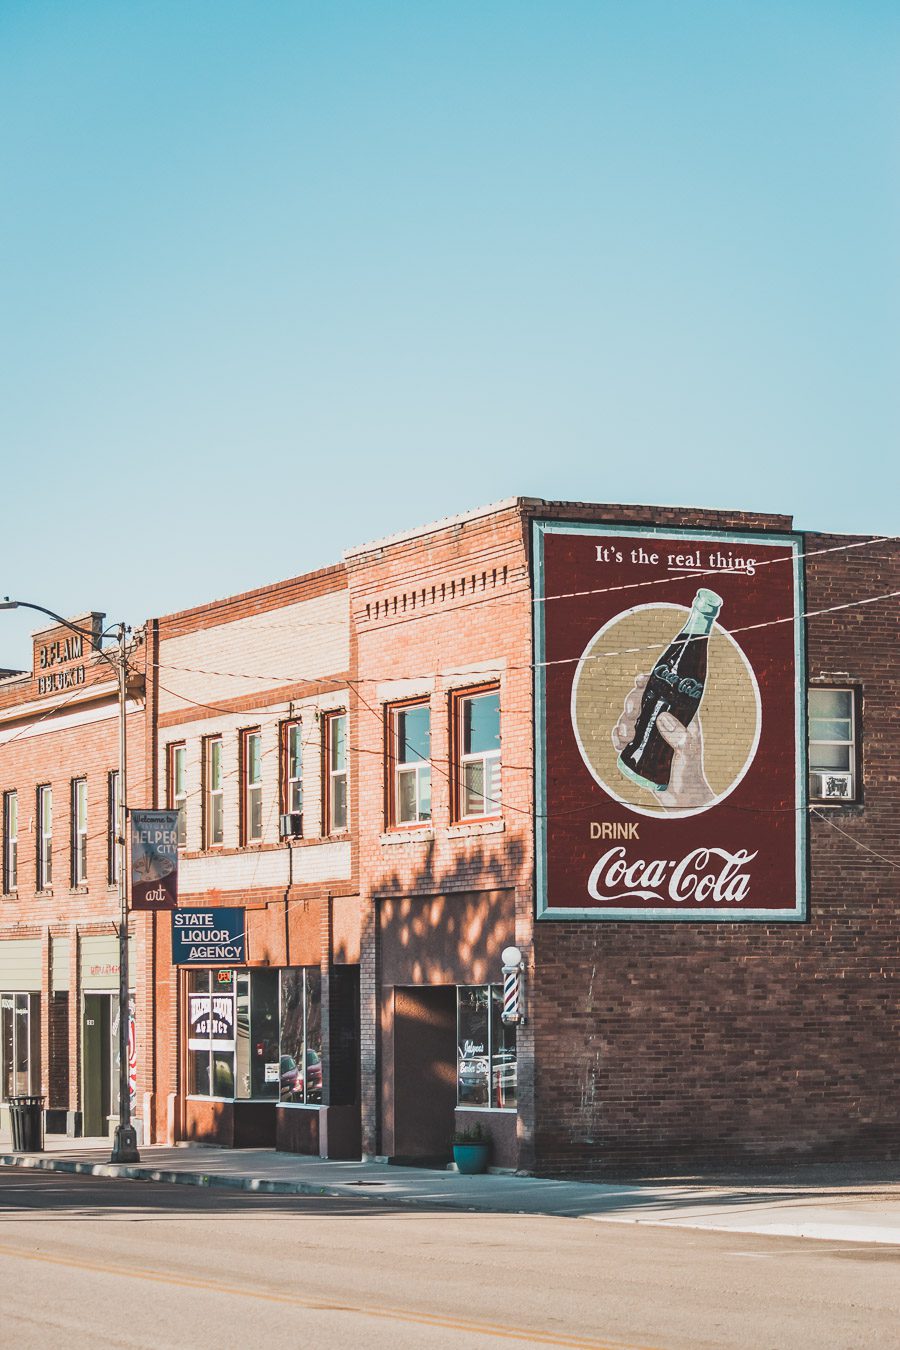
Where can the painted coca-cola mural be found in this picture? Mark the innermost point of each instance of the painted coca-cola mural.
(669, 695)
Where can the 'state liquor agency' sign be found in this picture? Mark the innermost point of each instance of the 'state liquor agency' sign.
(669, 698)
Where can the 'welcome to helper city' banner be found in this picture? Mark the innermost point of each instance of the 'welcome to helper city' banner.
(154, 859)
(669, 713)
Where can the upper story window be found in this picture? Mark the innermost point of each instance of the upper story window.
(113, 804)
(177, 781)
(833, 744)
(44, 837)
(10, 842)
(251, 782)
(336, 813)
(477, 760)
(292, 772)
(409, 731)
(213, 793)
(79, 831)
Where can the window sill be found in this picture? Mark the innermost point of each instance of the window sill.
(299, 1106)
(490, 1110)
(46, 894)
(80, 889)
(414, 834)
(834, 804)
(492, 825)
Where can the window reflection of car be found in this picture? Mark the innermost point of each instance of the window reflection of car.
(504, 1077)
(292, 1078)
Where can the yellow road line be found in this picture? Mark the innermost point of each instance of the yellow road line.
(320, 1305)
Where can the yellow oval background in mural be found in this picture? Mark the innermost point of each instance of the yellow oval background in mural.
(628, 646)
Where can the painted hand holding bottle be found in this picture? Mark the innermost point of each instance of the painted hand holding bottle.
(664, 749)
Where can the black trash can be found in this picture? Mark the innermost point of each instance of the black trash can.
(26, 1116)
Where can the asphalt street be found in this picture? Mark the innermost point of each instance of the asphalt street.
(95, 1262)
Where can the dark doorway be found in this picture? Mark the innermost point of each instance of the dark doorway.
(424, 1073)
(96, 1061)
(345, 1056)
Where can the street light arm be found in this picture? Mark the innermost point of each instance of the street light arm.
(116, 628)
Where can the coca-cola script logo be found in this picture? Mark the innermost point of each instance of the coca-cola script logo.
(704, 874)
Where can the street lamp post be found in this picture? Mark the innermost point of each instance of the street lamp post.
(125, 1142)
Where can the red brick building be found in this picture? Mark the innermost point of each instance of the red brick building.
(59, 912)
(249, 700)
(456, 742)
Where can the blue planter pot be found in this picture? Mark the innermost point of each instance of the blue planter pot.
(471, 1159)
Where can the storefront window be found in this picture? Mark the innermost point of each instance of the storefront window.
(486, 1065)
(255, 1034)
(19, 1044)
(301, 1035)
(211, 1038)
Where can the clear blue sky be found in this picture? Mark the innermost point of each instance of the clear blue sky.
(281, 277)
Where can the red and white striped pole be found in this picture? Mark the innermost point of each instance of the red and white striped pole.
(513, 986)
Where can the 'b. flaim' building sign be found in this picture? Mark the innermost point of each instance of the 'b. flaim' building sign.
(55, 661)
(669, 699)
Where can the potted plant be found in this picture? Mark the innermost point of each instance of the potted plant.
(470, 1149)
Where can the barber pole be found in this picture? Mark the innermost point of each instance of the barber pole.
(513, 1011)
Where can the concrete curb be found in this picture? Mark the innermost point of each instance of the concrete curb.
(247, 1184)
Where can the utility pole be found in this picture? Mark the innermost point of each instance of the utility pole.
(124, 1148)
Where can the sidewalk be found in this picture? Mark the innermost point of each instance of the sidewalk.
(837, 1203)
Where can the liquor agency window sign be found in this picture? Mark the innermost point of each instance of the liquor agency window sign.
(669, 685)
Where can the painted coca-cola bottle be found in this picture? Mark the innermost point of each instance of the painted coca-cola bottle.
(676, 686)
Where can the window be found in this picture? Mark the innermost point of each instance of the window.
(336, 775)
(300, 1060)
(44, 838)
(10, 842)
(213, 795)
(79, 831)
(832, 745)
(255, 1034)
(251, 761)
(211, 1033)
(486, 1063)
(409, 730)
(292, 770)
(177, 781)
(112, 827)
(20, 1043)
(477, 738)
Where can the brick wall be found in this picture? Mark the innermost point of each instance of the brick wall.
(52, 740)
(666, 1046)
(444, 610)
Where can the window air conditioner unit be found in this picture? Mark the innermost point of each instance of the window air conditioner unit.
(835, 787)
(291, 825)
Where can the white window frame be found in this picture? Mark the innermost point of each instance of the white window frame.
(44, 837)
(178, 791)
(112, 827)
(416, 769)
(293, 767)
(213, 797)
(251, 789)
(851, 744)
(491, 795)
(333, 775)
(79, 831)
(10, 842)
